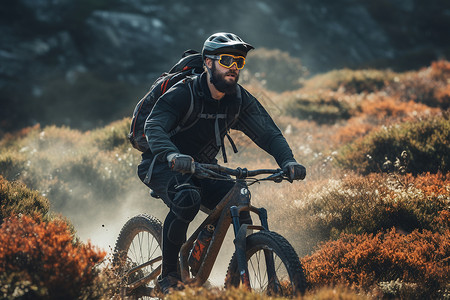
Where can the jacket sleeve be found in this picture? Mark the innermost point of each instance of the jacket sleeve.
(257, 124)
(165, 116)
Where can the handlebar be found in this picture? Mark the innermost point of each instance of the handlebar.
(217, 171)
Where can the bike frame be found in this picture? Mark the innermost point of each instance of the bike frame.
(225, 214)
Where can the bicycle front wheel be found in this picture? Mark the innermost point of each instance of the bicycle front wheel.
(138, 256)
(273, 266)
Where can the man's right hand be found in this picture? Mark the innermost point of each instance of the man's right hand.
(181, 163)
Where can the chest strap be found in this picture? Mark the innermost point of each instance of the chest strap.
(219, 140)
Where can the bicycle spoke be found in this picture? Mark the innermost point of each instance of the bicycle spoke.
(259, 277)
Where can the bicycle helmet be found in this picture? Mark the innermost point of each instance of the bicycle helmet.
(224, 42)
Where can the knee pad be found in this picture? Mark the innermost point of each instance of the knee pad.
(184, 207)
(186, 203)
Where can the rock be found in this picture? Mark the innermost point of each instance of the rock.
(48, 44)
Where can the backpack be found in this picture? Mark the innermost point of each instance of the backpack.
(190, 64)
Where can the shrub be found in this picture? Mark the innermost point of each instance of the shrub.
(428, 86)
(16, 198)
(424, 144)
(323, 107)
(202, 293)
(277, 70)
(419, 260)
(352, 130)
(41, 260)
(351, 81)
(111, 136)
(384, 107)
(325, 209)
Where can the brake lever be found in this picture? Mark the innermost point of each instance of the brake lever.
(202, 172)
(277, 177)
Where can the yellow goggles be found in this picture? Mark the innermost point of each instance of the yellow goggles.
(228, 60)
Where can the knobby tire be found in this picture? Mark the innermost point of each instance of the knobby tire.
(139, 241)
(291, 280)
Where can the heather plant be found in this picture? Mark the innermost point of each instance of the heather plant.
(323, 107)
(322, 293)
(42, 260)
(379, 109)
(424, 144)
(418, 262)
(386, 108)
(16, 198)
(319, 210)
(351, 81)
(111, 136)
(428, 86)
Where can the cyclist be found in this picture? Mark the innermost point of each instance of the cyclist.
(167, 166)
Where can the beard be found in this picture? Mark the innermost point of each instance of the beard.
(222, 85)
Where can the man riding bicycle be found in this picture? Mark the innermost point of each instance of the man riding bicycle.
(168, 165)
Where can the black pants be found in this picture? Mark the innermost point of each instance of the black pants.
(166, 184)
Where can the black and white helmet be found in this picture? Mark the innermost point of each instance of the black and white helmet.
(224, 42)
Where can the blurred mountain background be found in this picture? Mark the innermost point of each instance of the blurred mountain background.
(85, 63)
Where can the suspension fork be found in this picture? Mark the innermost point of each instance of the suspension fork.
(273, 284)
(240, 232)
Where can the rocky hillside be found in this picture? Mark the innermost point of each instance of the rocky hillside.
(54, 54)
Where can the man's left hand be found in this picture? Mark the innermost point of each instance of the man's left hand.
(294, 171)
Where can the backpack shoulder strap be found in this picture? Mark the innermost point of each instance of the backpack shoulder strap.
(187, 116)
(239, 97)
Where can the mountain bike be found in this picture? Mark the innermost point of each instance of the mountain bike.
(263, 261)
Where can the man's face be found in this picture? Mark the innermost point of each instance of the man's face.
(225, 79)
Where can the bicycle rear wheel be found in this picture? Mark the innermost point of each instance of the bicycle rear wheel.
(138, 255)
(288, 278)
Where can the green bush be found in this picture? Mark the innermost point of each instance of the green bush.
(323, 107)
(277, 70)
(112, 135)
(16, 198)
(422, 145)
(351, 81)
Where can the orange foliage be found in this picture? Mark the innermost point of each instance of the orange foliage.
(377, 110)
(429, 86)
(354, 128)
(442, 94)
(431, 184)
(46, 254)
(9, 137)
(365, 260)
(384, 107)
(440, 70)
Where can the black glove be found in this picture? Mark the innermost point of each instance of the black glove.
(294, 171)
(181, 163)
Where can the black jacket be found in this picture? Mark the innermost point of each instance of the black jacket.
(200, 140)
